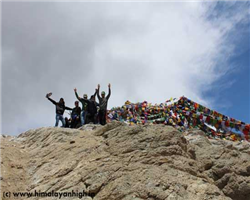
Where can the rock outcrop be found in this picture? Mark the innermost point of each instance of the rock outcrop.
(120, 162)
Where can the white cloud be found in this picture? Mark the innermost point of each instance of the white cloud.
(147, 51)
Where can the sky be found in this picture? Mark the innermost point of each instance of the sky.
(147, 50)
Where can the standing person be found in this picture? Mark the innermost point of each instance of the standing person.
(84, 106)
(75, 115)
(85, 103)
(60, 108)
(103, 104)
(92, 110)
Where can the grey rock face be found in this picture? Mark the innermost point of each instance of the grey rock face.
(120, 162)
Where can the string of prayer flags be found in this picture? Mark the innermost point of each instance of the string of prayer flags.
(182, 114)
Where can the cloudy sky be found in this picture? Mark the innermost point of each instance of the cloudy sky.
(147, 51)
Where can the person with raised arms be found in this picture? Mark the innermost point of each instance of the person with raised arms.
(103, 104)
(86, 104)
(92, 110)
(60, 108)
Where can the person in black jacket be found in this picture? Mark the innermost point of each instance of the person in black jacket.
(75, 115)
(60, 108)
(84, 106)
(92, 110)
(91, 107)
(103, 104)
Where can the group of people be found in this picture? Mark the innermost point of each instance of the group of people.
(91, 111)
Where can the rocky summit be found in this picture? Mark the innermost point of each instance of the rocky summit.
(121, 162)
